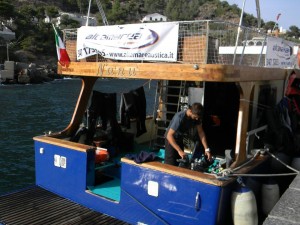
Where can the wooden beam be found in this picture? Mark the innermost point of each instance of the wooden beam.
(64, 143)
(172, 71)
(242, 126)
(81, 105)
(195, 175)
(147, 71)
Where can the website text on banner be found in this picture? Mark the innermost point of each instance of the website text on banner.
(280, 53)
(150, 41)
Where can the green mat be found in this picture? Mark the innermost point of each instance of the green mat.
(110, 189)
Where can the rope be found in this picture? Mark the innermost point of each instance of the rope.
(261, 175)
(239, 167)
(291, 168)
(230, 172)
(256, 104)
(149, 81)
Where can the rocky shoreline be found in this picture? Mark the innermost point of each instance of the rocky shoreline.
(24, 73)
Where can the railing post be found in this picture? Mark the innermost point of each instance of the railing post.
(207, 41)
(238, 33)
(262, 50)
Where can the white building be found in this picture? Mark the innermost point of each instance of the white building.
(6, 33)
(80, 18)
(155, 17)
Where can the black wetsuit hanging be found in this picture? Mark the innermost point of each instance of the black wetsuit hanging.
(133, 105)
(103, 105)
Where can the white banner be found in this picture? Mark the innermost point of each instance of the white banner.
(280, 53)
(147, 41)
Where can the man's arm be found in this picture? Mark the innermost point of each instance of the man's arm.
(202, 137)
(171, 140)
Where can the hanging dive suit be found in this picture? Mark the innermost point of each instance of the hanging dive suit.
(103, 105)
(133, 106)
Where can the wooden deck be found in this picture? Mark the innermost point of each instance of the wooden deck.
(39, 206)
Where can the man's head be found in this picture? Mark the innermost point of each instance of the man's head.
(197, 111)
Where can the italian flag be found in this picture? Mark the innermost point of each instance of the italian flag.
(62, 54)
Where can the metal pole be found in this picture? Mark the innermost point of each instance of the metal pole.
(88, 15)
(262, 51)
(258, 14)
(238, 33)
(7, 52)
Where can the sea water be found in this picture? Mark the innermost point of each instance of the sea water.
(31, 110)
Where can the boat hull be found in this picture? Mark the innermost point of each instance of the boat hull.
(146, 195)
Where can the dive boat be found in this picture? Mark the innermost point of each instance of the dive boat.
(118, 169)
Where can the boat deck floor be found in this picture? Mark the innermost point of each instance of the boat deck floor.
(39, 206)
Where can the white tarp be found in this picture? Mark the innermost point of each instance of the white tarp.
(149, 41)
(280, 53)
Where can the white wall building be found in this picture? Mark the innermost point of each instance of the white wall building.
(6, 33)
(81, 19)
(155, 17)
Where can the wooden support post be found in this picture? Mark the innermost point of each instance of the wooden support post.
(242, 127)
(85, 93)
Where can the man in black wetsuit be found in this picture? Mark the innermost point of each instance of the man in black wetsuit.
(180, 124)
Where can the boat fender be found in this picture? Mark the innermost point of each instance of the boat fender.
(269, 196)
(296, 163)
(243, 207)
(254, 185)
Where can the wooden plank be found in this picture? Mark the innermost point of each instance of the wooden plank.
(81, 105)
(243, 118)
(145, 71)
(64, 143)
(195, 175)
(172, 71)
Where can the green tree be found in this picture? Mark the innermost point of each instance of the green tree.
(52, 11)
(69, 5)
(293, 32)
(154, 6)
(117, 15)
(40, 13)
(269, 25)
(179, 10)
(67, 23)
(235, 9)
(132, 10)
(28, 12)
(6, 10)
(24, 24)
(28, 43)
(194, 8)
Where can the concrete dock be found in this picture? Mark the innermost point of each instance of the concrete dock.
(287, 209)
